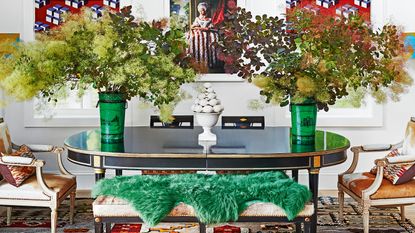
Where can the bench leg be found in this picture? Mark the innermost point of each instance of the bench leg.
(108, 227)
(307, 227)
(9, 215)
(202, 227)
(99, 227)
(298, 227)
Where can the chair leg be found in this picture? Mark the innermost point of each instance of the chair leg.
(9, 215)
(53, 220)
(365, 214)
(403, 217)
(202, 228)
(72, 206)
(341, 205)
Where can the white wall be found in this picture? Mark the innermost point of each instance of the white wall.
(18, 18)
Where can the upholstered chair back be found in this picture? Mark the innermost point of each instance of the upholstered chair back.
(5, 140)
(408, 147)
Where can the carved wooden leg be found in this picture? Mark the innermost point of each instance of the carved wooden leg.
(9, 215)
(365, 214)
(403, 217)
(307, 227)
(202, 228)
(72, 206)
(341, 205)
(298, 227)
(108, 227)
(53, 220)
(98, 226)
(295, 175)
(313, 184)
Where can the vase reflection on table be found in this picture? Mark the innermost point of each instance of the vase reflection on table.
(113, 147)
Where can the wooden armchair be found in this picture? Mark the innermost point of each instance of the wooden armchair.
(41, 189)
(373, 190)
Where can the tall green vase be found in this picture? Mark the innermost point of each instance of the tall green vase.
(303, 122)
(112, 116)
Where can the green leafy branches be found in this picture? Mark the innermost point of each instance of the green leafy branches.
(314, 57)
(113, 54)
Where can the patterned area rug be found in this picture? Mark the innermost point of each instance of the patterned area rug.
(387, 220)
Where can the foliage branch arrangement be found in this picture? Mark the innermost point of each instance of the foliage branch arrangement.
(114, 54)
(315, 58)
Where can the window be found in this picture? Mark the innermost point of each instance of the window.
(70, 112)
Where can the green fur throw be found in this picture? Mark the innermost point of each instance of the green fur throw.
(215, 198)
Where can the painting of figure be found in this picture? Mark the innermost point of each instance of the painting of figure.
(202, 20)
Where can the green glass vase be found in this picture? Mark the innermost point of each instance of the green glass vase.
(303, 122)
(112, 117)
(112, 147)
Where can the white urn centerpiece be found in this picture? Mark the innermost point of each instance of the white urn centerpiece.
(207, 109)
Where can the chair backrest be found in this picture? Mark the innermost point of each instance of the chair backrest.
(243, 122)
(179, 122)
(408, 147)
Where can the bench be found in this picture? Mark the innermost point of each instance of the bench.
(108, 210)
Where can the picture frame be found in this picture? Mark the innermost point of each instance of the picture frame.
(202, 37)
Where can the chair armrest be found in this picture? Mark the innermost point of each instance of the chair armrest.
(376, 147)
(38, 164)
(34, 163)
(48, 148)
(16, 159)
(41, 148)
(373, 188)
(404, 159)
(37, 147)
(369, 148)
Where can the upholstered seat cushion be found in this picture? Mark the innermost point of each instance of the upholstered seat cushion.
(357, 182)
(107, 206)
(31, 190)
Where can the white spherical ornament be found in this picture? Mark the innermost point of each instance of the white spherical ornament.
(218, 108)
(203, 102)
(207, 85)
(201, 96)
(213, 102)
(210, 90)
(207, 109)
(211, 96)
(198, 108)
(196, 101)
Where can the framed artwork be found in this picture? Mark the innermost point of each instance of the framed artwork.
(410, 43)
(335, 8)
(201, 20)
(48, 13)
(7, 38)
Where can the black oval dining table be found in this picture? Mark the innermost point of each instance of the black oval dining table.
(146, 148)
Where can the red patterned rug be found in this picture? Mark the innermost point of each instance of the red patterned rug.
(33, 220)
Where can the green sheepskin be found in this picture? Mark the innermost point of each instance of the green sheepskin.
(215, 198)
